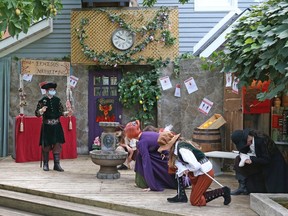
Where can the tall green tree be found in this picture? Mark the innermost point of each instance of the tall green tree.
(18, 15)
(257, 47)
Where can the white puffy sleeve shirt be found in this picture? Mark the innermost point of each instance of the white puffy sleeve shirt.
(193, 165)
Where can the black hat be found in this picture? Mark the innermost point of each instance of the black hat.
(49, 85)
(239, 137)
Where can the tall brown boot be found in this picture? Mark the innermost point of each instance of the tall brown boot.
(224, 192)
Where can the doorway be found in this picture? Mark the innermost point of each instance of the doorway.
(103, 101)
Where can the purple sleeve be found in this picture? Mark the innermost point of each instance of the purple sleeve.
(143, 147)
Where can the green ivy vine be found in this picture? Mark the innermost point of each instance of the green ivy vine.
(139, 92)
(148, 32)
(138, 89)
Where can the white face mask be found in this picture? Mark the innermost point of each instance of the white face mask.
(52, 92)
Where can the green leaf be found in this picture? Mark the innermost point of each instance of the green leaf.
(283, 34)
(3, 26)
(249, 41)
(268, 42)
(272, 93)
(11, 29)
(273, 61)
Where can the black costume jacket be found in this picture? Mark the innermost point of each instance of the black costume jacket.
(271, 164)
(51, 131)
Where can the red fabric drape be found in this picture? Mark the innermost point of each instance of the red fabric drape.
(27, 142)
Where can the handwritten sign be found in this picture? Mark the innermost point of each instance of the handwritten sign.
(41, 67)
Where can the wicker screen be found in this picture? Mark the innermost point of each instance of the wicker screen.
(100, 29)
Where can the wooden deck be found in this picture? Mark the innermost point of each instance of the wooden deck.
(79, 184)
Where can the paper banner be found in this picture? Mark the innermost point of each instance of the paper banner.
(228, 79)
(165, 82)
(27, 77)
(205, 106)
(235, 85)
(73, 81)
(190, 85)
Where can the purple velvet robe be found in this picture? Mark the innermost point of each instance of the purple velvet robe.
(150, 165)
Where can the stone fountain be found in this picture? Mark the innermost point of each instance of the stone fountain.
(108, 157)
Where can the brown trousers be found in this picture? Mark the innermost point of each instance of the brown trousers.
(200, 184)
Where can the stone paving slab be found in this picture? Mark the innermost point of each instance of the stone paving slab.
(79, 181)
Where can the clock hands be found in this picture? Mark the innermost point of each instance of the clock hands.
(120, 38)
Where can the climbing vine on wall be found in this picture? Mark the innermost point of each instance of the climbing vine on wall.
(139, 88)
(149, 34)
(139, 91)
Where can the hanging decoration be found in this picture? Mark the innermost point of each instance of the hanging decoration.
(205, 106)
(21, 128)
(70, 126)
(191, 85)
(22, 96)
(165, 82)
(105, 113)
(235, 85)
(177, 91)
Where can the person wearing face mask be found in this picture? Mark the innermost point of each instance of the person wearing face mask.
(260, 167)
(52, 135)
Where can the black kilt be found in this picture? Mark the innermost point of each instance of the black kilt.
(51, 134)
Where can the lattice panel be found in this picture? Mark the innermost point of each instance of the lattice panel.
(100, 29)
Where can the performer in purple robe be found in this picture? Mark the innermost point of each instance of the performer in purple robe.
(151, 167)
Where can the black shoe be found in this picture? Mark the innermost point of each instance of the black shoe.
(176, 199)
(240, 191)
(45, 167)
(227, 195)
(122, 167)
(58, 168)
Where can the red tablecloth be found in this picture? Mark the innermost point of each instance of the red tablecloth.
(27, 142)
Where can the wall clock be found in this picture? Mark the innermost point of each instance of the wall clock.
(122, 39)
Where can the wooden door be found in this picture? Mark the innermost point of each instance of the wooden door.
(233, 113)
(103, 101)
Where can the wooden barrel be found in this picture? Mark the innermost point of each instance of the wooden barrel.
(207, 139)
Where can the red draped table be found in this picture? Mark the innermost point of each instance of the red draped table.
(27, 140)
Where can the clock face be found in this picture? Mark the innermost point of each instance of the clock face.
(122, 39)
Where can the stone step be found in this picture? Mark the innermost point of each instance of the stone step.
(14, 212)
(29, 203)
